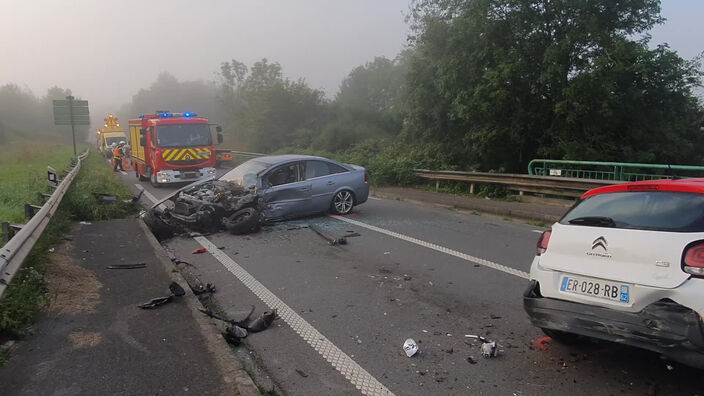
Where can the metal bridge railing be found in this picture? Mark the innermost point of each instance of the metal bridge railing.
(13, 253)
(616, 171)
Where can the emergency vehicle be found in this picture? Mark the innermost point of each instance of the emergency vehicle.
(109, 134)
(172, 147)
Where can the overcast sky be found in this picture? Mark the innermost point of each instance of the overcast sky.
(106, 50)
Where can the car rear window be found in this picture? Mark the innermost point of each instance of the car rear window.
(643, 210)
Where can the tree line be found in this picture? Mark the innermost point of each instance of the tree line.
(482, 85)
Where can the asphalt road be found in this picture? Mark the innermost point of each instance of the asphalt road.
(417, 272)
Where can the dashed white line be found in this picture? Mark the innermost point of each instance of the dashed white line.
(374, 198)
(451, 252)
(344, 364)
(538, 231)
(354, 373)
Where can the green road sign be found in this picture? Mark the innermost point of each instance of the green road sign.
(71, 112)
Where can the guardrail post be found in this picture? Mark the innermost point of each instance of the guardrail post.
(30, 210)
(437, 185)
(471, 188)
(9, 230)
(41, 197)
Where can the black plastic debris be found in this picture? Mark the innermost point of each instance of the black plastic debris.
(330, 239)
(105, 199)
(302, 373)
(127, 266)
(176, 291)
(238, 329)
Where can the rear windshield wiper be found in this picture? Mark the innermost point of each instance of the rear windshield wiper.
(593, 221)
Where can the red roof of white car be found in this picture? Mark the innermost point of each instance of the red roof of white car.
(680, 185)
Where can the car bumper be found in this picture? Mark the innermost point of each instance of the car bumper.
(664, 326)
(189, 176)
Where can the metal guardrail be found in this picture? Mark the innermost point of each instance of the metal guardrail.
(621, 171)
(559, 186)
(14, 252)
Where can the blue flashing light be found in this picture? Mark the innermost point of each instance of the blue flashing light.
(189, 114)
(141, 116)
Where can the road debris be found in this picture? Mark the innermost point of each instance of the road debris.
(330, 239)
(542, 343)
(238, 329)
(410, 347)
(85, 222)
(489, 348)
(199, 251)
(105, 199)
(176, 291)
(471, 360)
(302, 373)
(126, 266)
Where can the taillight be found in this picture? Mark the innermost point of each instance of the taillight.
(543, 243)
(694, 259)
(366, 177)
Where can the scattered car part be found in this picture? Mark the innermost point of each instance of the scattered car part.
(199, 251)
(410, 347)
(105, 199)
(302, 373)
(489, 348)
(262, 322)
(471, 360)
(331, 240)
(126, 266)
(542, 343)
(176, 291)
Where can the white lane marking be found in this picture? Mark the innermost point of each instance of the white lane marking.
(538, 231)
(463, 256)
(354, 373)
(374, 198)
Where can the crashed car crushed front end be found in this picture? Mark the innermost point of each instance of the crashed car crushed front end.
(209, 206)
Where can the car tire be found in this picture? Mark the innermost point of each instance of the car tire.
(565, 338)
(244, 221)
(139, 173)
(342, 203)
(160, 229)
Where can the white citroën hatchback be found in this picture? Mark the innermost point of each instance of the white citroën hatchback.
(626, 264)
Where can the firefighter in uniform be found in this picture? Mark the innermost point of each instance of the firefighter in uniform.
(117, 157)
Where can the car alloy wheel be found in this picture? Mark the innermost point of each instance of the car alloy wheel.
(343, 202)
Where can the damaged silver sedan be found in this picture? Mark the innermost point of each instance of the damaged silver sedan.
(263, 190)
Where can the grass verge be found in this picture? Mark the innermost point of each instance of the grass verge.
(26, 295)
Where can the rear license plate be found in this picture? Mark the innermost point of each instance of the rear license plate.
(190, 175)
(611, 291)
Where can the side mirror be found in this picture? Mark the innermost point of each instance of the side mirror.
(219, 138)
(218, 128)
(143, 141)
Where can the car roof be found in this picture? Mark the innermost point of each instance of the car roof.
(276, 159)
(695, 185)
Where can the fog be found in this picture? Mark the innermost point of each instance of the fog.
(106, 51)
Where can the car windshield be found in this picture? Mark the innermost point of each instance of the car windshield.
(647, 210)
(109, 141)
(183, 135)
(246, 174)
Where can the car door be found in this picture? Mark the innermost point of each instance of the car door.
(286, 191)
(324, 178)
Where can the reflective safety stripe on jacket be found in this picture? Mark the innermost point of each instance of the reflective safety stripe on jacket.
(117, 153)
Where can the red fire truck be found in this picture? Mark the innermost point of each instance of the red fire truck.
(172, 147)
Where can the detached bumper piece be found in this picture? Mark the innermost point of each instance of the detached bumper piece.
(664, 327)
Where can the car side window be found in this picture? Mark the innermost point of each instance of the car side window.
(285, 174)
(334, 168)
(316, 169)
